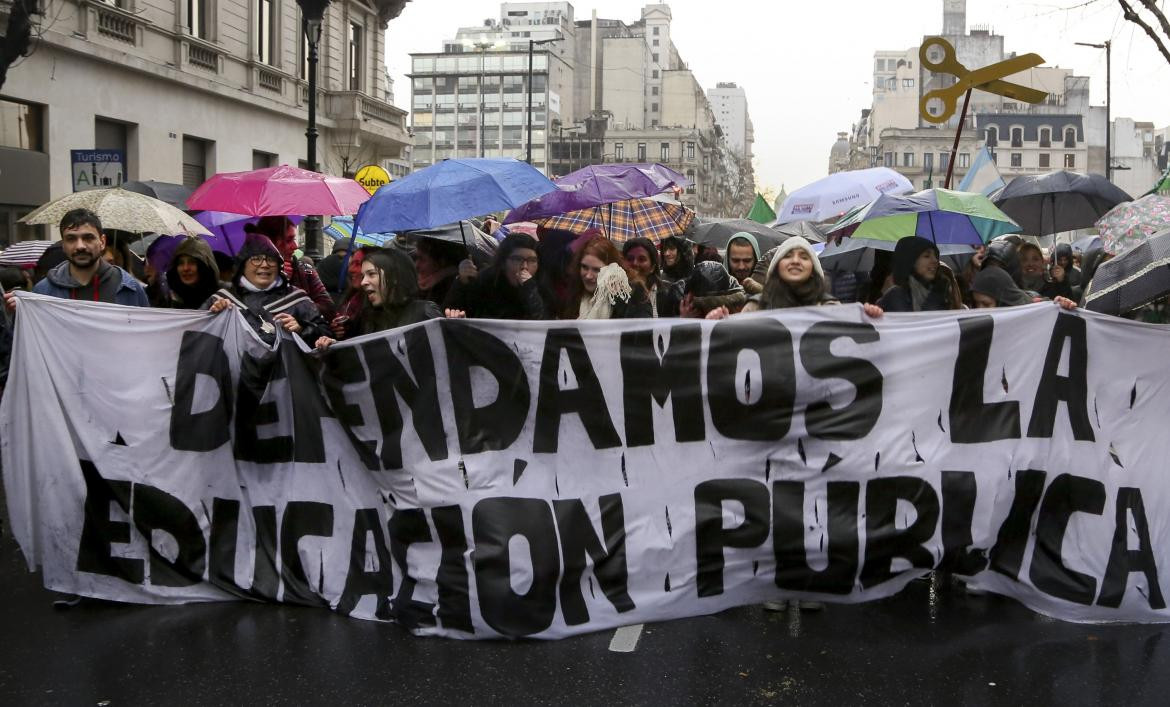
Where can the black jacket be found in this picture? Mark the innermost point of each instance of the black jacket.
(259, 308)
(490, 296)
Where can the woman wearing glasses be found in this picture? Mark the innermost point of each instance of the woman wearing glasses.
(507, 289)
(264, 296)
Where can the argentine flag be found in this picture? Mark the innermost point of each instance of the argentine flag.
(983, 177)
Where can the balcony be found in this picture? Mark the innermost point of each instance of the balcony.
(201, 55)
(364, 121)
(112, 22)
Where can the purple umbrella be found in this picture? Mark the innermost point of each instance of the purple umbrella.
(227, 229)
(597, 185)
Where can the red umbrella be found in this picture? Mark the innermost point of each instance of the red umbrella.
(277, 191)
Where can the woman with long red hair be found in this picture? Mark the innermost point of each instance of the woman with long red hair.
(602, 285)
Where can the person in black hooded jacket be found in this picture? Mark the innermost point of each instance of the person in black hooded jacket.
(642, 256)
(193, 275)
(265, 298)
(507, 289)
(678, 259)
(918, 283)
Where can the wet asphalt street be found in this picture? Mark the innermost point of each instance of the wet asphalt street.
(922, 647)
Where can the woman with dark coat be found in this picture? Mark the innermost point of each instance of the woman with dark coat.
(919, 284)
(265, 298)
(193, 275)
(507, 289)
(642, 256)
(678, 259)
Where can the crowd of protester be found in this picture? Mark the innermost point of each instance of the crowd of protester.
(554, 275)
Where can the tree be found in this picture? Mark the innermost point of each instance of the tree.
(17, 39)
(1160, 34)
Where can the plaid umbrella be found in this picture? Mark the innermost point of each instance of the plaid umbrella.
(622, 220)
(1128, 224)
(1138, 276)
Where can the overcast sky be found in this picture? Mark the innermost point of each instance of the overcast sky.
(807, 66)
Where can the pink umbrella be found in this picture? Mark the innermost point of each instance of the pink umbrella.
(277, 191)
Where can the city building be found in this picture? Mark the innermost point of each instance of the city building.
(729, 103)
(190, 89)
(603, 90)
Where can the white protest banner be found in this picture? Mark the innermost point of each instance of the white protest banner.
(476, 479)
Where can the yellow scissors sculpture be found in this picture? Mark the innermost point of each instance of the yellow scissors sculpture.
(987, 79)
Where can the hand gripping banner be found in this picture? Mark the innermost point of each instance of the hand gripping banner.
(477, 479)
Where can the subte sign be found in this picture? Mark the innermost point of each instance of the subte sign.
(372, 177)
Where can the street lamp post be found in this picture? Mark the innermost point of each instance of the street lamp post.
(1107, 45)
(528, 148)
(312, 15)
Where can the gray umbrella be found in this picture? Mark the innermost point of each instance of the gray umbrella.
(857, 254)
(173, 194)
(1137, 277)
(717, 233)
(1058, 201)
(805, 229)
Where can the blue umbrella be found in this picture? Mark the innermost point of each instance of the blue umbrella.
(451, 191)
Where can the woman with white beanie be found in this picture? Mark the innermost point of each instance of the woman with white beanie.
(795, 278)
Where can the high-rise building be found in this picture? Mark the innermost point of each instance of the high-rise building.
(729, 102)
(189, 89)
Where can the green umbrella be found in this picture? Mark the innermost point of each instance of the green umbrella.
(940, 215)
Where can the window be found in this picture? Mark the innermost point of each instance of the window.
(655, 42)
(992, 136)
(656, 31)
(907, 159)
(964, 160)
(1017, 137)
(1017, 159)
(22, 125)
(641, 152)
(1045, 137)
(654, 74)
(654, 123)
(653, 107)
(265, 30)
(619, 151)
(907, 83)
(664, 152)
(197, 23)
(654, 58)
(888, 159)
(194, 161)
(1070, 161)
(891, 84)
(944, 161)
(879, 64)
(1045, 160)
(690, 150)
(928, 161)
(263, 160)
(653, 90)
(691, 179)
(112, 135)
(355, 56)
(1070, 138)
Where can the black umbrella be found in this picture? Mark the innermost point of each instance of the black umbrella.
(1058, 201)
(857, 254)
(717, 233)
(805, 229)
(1137, 277)
(480, 246)
(173, 194)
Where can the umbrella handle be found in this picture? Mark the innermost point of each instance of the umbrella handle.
(463, 236)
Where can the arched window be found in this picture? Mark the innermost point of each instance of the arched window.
(992, 136)
(1070, 137)
(1045, 137)
(1017, 137)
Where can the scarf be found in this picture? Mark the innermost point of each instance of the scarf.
(246, 284)
(612, 285)
(919, 291)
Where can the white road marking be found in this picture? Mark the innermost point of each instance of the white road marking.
(625, 639)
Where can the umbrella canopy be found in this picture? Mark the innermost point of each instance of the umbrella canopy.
(939, 215)
(140, 246)
(341, 228)
(278, 191)
(449, 191)
(226, 230)
(717, 233)
(174, 194)
(1138, 276)
(857, 254)
(1087, 243)
(835, 194)
(622, 220)
(121, 210)
(24, 254)
(596, 185)
(1058, 201)
(479, 246)
(805, 229)
(1126, 225)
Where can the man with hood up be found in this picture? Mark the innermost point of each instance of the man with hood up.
(193, 275)
(743, 252)
(85, 275)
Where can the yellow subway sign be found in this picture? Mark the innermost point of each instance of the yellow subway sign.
(372, 177)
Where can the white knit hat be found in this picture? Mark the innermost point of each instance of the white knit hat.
(791, 244)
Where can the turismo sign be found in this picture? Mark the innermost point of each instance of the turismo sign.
(97, 169)
(372, 177)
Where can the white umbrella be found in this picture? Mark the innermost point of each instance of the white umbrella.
(121, 210)
(835, 194)
(24, 253)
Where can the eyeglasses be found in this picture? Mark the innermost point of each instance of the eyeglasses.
(521, 260)
(262, 259)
